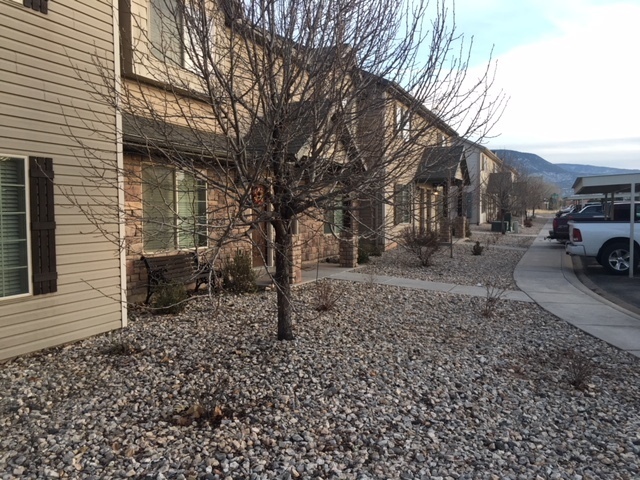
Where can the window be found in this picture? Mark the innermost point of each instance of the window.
(179, 32)
(27, 227)
(403, 121)
(174, 209)
(165, 30)
(334, 219)
(402, 201)
(41, 6)
(14, 242)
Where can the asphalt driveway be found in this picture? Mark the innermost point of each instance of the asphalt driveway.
(621, 290)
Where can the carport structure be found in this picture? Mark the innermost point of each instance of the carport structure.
(609, 186)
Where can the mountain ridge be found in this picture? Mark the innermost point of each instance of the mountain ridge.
(561, 174)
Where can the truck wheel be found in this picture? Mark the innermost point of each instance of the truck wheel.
(615, 258)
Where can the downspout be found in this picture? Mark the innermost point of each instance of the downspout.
(120, 163)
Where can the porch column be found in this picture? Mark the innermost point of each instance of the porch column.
(349, 238)
(460, 226)
(295, 260)
(444, 232)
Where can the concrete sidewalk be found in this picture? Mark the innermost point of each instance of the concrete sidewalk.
(545, 273)
(312, 273)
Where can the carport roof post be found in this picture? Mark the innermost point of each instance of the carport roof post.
(626, 182)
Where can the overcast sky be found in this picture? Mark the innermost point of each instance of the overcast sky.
(572, 71)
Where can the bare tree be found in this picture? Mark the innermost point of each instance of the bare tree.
(531, 192)
(501, 194)
(270, 104)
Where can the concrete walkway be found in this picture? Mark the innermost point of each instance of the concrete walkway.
(332, 270)
(545, 273)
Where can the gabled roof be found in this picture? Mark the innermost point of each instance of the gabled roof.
(489, 153)
(443, 164)
(405, 97)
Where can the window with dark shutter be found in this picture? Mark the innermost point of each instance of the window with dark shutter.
(41, 6)
(43, 226)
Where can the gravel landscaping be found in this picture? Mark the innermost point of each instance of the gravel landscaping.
(391, 383)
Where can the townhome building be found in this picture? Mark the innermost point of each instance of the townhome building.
(198, 145)
(61, 271)
(431, 168)
(482, 163)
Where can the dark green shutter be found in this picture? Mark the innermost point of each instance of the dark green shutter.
(43, 226)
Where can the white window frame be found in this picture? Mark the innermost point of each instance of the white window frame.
(27, 200)
(403, 121)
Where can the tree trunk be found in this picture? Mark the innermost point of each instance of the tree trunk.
(283, 250)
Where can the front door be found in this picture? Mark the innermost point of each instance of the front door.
(260, 239)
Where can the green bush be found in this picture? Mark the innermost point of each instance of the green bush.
(169, 298)
(238, 274)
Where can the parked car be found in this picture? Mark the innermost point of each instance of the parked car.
(560, 230)
(607, 241)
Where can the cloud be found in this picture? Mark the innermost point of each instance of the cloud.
(578, 84)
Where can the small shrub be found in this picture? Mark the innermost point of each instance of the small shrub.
(238, 274)
(422, 244)
(326, 296)
(494, 294)
(371, 276)
(528, 222)
(209, 408)
(579, 369)
(169, 298)
(363, 254)
(477, 249)
(119, 346)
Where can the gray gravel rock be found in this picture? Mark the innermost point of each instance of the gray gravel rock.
(392, 383)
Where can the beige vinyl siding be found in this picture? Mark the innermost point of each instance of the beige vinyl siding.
(42, 96)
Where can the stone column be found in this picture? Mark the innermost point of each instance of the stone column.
(460, 226)
(349, 239)
(445, 230)
(295, 259)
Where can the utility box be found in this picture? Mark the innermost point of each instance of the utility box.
(497, 226)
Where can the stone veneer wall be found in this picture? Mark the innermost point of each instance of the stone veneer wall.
(314, 243)
(137, 275)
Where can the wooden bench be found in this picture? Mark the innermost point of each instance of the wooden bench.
(177, 268)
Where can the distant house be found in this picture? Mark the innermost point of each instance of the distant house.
(481, 163)
(60, 278)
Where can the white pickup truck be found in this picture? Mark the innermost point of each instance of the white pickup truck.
(606, 241)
